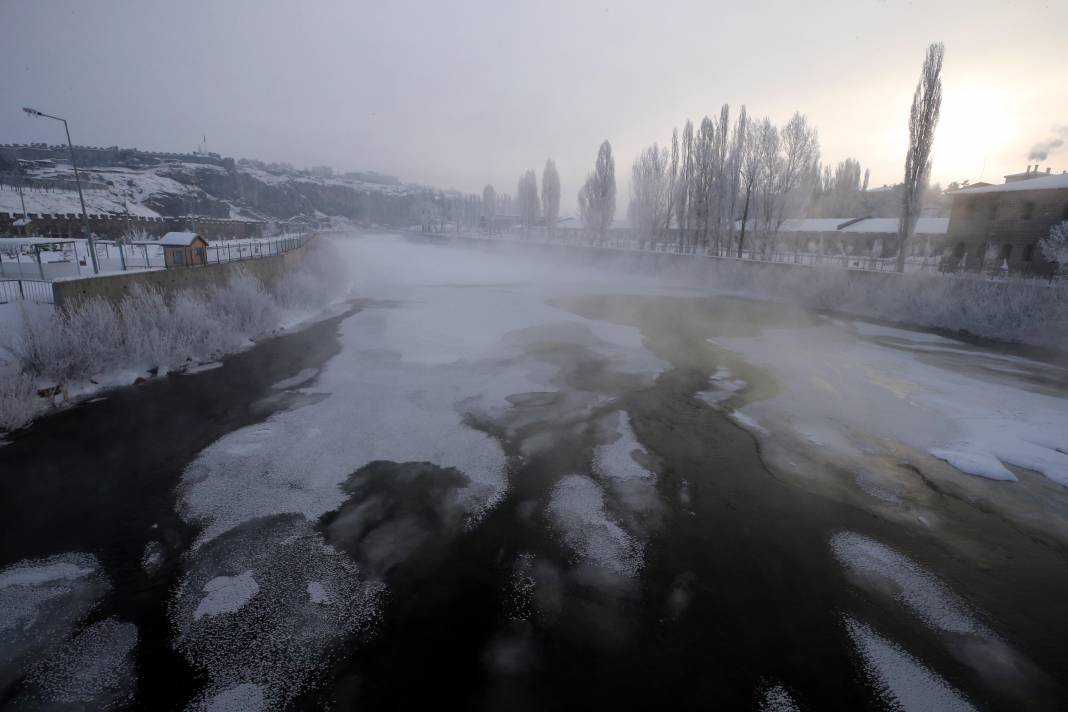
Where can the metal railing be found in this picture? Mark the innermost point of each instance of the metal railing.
(30, 290)
(215, 253)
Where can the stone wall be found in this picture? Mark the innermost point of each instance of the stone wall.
(113, 226)
(114, 287)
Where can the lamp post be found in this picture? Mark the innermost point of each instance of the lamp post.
(77, 181)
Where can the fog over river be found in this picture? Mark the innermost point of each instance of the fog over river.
(496, 480)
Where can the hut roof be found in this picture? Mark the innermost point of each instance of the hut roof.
(180, 239)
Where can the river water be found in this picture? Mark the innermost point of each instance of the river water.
(498, 482)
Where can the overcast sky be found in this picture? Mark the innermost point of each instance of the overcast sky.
(458, 94)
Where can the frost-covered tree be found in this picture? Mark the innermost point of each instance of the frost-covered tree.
(650, 188)
(800, 150)
(750, 171)
(550, 194)
(734, 167)
(1054, 247)
(672, 180)
(683, 186)
(597, 199)
(923, 118)
(527, 198)
(767, 147)
(489, 206)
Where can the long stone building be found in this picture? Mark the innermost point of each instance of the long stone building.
(994, 225)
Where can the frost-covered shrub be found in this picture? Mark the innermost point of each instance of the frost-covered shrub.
(243, 306)
(149, 327)
(199, 333)
(41, 344)
(148, 330)
(96, 337)
(18, 400)
(1055, 245)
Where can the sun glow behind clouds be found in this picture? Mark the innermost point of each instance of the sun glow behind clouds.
(978, 121)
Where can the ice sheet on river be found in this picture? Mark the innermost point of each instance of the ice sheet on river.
(959, 403)
(264, 608)
(41, 601)
(409, 371)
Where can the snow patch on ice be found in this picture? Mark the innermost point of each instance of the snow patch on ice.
(245, 697)
(909, 685)
(36, 575)
(302, 377)
(578, 511)
(980, 464)
(317, 593)
(94, 670)
(777, 699)
(226, 594)
(721, 387)
(748, 422)
(908, 582)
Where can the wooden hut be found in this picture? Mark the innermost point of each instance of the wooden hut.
(184, 249)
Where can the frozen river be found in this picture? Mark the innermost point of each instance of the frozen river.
(498, 482)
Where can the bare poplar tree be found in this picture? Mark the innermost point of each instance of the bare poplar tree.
(550, 195)
(489, 206)
(701, 193)
(684, 186)
(718, 176)
(734, 167)
(800, 151)
(599, 192)
(650, 189)
(527, 196)
(923, 118)
(673, 181)
(751, 166)
(767, 146)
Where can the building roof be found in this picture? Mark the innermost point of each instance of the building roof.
(1043, 181)
(179, 239)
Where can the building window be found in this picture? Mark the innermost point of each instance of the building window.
(992, 210)
(958, 250)
(1028, 211)
(1006, 253)
(1029, 253)
(970, 208)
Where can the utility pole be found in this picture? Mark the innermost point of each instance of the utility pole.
(77, 181)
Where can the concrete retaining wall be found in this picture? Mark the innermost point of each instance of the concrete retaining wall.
(113, 288)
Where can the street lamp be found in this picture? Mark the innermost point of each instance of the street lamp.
(77, 181)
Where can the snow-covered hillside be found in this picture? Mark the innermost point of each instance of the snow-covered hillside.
(246, 190)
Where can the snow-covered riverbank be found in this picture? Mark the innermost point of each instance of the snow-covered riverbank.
(50, 358)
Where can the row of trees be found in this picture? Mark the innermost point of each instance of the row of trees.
(721, 182)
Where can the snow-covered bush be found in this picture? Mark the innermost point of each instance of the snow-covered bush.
(243, 306)
(42, 346)
(18, 401)
(199, 334)
(1055, 245)
(95, 334)
(148, 330)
